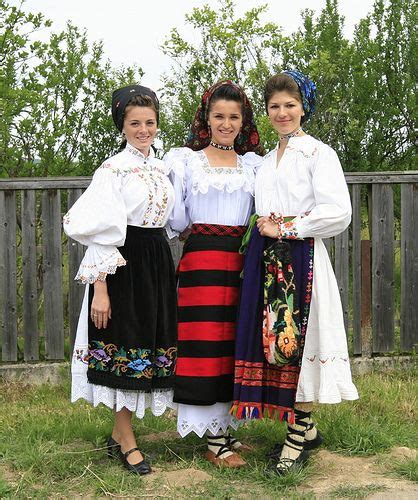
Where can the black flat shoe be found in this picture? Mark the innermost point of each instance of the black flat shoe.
(286, 465)
(113, 449)
(308, 444)
(311, 444)
(140, 468)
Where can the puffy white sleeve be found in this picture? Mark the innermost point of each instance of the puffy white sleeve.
(98, 220)
(252, 161)
(331, 214)
(176, 160)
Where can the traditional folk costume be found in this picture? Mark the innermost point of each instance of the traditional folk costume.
(216, 203)
(295, 276)
(121, 218)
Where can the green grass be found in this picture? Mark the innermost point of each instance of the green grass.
(349, 491)
(407, 469)
(51, 448)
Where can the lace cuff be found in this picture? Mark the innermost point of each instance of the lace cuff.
(98, 262)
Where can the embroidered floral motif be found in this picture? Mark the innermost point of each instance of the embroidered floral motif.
(281, 336)
(133, 363)
(81, 355)
(220, 170)
(288, 230)
(156, 182)
(306, 154)
(139, 365)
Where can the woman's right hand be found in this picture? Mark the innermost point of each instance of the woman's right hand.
(101, 311)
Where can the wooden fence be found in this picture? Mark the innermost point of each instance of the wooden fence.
(375, 260)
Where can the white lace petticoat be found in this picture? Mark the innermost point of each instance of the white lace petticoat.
(136, 401)
(200, 419)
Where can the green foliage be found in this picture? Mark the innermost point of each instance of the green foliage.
(55, 95)
(54, 98)
(366, 105)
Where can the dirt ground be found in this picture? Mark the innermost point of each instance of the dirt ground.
(334, 471)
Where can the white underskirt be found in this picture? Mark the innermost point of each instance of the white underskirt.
(135, 401)
(200, 419)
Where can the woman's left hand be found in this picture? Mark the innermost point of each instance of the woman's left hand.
(267, 227)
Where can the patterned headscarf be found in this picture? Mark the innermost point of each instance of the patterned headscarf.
(307, 89)
(121, 97)
(199, 135)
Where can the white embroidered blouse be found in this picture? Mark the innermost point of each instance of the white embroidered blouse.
(212, 195)
(307, 183)
(127, 189)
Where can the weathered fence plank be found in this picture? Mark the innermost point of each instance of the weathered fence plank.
(342, 271)
(176, 248)
(366, 299)
(409, 266)
(356, 267)
(76, 291)
(382, 268)
(52, 267)
(329, 245)
(30, 293)
(8, 275)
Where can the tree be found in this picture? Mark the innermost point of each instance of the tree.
(238, 49)
(55, 99)
(366, 105)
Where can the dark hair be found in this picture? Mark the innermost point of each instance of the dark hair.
(279, 83)
(143, 101)
(229, 93)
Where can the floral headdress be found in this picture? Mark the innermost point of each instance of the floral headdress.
(199, 135)
(307, 89)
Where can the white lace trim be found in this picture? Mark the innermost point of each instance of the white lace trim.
(116, 399)
(203, 176)
(98, 262)
(201, 419)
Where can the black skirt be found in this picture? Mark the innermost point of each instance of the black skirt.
(137, 350)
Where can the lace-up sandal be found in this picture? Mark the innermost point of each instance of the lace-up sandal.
(313, 438)
(235, 445)
(224, 457)
(113, 449)
(293, 455)
(311, 443)
(286, 465)
(141, 468)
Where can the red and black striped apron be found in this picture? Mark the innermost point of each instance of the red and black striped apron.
(208, 291)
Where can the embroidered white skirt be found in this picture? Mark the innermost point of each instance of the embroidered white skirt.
(325, 374)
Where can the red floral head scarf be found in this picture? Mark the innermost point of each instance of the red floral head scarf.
(199, 135)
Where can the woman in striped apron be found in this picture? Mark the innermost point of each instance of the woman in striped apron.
(213, 178)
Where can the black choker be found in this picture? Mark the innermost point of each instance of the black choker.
(220, 146)
(293, 134)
